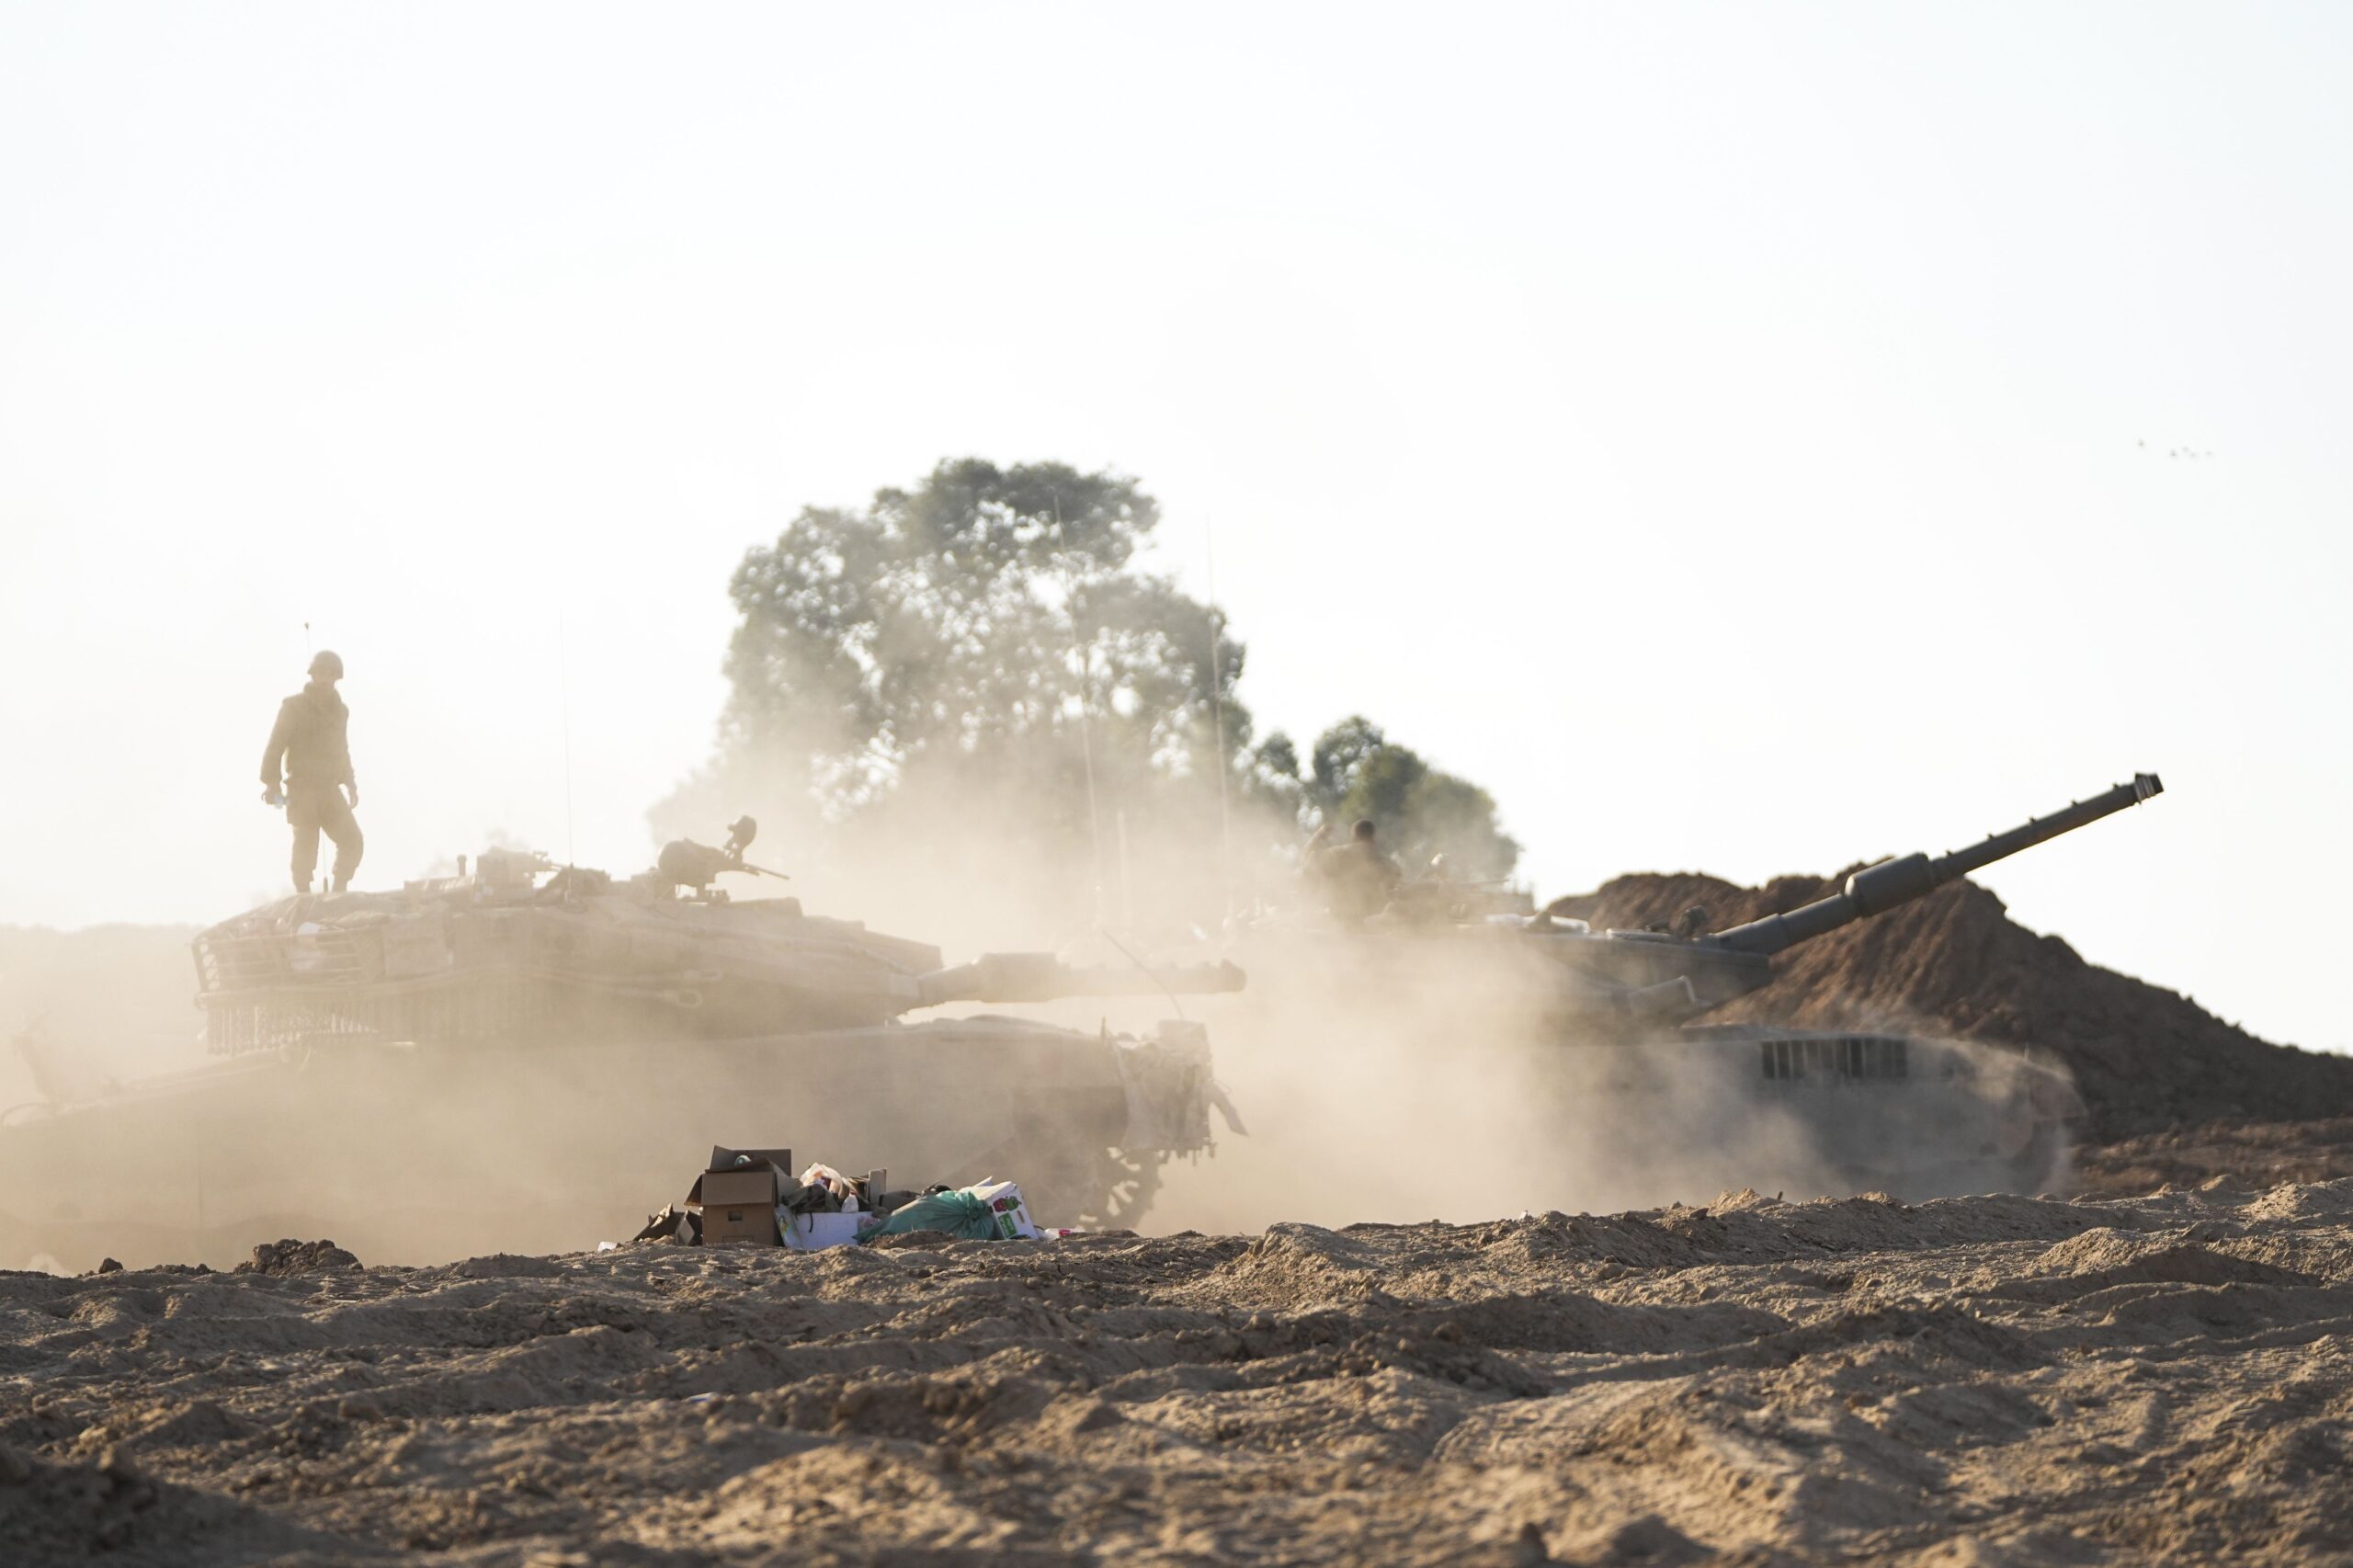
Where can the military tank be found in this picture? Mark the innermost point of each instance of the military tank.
(528, 1057)
(1622, 1019)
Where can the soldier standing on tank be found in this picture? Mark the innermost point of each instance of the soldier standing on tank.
(1358, 876)
(311, 741)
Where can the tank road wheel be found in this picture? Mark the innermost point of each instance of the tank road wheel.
(1069, 1172)
(16, 1248)
(1133, 1182)
(1090, 1187)
(2046, 1163)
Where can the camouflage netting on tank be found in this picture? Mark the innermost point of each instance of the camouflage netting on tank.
(2144, 1058)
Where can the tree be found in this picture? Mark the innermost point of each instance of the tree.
(1421, 811)
(982, 657)
(956, 626)
(974, 684)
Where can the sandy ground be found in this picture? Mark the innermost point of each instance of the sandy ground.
(1973, 1380)
(2243, 1153)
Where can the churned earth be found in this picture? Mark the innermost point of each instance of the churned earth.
(1972, 1380)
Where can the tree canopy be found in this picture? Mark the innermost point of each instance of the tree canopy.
(990, 622)
(983, 656)
(1422, 810)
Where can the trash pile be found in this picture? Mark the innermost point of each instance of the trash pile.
(750, 1197)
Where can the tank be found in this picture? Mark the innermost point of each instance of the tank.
(1620, 1017)
(529, 1057)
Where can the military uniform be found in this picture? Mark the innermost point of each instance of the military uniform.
(312, 740)
(1360, 879)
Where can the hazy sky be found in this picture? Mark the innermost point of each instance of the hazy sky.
(1743, 437)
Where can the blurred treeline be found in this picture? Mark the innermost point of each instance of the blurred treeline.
(969, 704)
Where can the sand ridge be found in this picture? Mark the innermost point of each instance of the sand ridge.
(1968, 1380)
(2146, 1060)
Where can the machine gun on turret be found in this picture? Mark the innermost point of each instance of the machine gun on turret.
(683, 863)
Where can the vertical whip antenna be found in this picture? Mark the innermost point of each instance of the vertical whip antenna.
(563, 709)
(1085, 707)
(1127, 882)
(1217, 701)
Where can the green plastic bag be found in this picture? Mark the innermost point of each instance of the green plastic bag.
(959, 1214)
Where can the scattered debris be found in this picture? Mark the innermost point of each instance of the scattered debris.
(739, 1194)
(674, 1223)
(986, 1211)
(744, 1197)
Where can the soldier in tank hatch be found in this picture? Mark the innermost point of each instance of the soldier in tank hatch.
(310, 742)
(1358, 877)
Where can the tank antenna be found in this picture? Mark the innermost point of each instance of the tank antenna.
(1217, 701)
(1127, 882)
(1150, 974)
(1085, 707)
(563, 709)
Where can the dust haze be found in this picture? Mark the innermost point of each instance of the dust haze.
(1363, 1097)
(80, 1009)
(1437, 1090)
(1369, 1090)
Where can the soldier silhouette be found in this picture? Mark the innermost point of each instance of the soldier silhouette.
(311, 742)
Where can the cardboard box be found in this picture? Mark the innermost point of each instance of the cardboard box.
(755, 1185)
(1007, 1208)
(735, 1182)
(749, 1224)
(738, 1194)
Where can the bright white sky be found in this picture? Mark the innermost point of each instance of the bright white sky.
(1739, 435)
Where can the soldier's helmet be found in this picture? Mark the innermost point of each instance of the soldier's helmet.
(327, 664)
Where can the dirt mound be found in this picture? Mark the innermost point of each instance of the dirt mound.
(101, 1505)
(2254, 1156)
(1954, 962)
(284, 1258)
(1975, 1379)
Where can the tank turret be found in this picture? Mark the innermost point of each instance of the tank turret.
(508, 959)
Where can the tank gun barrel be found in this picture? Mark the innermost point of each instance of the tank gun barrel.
(998, 978)
(1874, 889)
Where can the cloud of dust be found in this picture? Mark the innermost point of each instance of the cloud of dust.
(79, 1009)
(1384, 1076)
(979, 863)
(1397, 1091)
(1371, 1089)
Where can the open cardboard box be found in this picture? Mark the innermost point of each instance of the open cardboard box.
(738, 1193)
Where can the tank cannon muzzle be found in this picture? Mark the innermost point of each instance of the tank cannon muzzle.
(1875, 890)
(998, 978)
